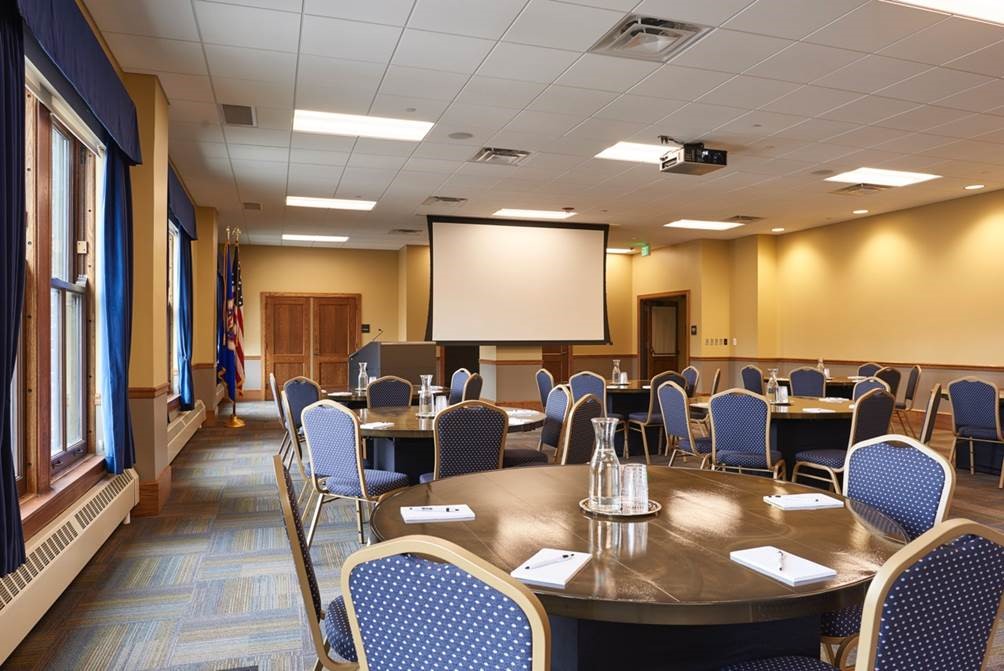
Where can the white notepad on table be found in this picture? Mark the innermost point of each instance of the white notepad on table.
(782, 566)
(340, 393)
(376, 425)
(449, 513)
(819, 411)
(550, 567)
(831, 399)
(803, 501)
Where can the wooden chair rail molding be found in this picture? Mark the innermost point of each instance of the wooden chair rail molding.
(612, 355)
(856, 362)
(149, 392)
(512, 362)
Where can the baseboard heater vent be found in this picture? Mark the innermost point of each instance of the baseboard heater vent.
(58, 553)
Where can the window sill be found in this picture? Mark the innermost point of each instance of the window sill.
(37, 510)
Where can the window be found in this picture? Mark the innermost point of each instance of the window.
(16, 430)
(173, 247)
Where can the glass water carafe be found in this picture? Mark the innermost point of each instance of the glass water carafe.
(363, 380)
(772, 386)
(605, 469)
(821, 367)
(425, 397)
(615, 376)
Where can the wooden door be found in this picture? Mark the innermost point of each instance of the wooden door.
(663, 351)
(336, 335)
(557, 360)
(287, 338)
(663, 339)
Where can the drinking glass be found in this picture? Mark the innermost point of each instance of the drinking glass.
(634, 488)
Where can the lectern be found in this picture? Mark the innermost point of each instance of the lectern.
(403, 359)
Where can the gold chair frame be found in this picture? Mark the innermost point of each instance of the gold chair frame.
(561, 456)
(903, 414)
(550, 376)
(871, 379)
(640, 427)
(931, 415)
(564, 417)
(456, 408)
(759, 374)
(807, 368)
(624, 425)
(775, 469)
(690, 434)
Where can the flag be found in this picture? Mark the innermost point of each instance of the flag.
(238, 321)
(221, 321)
(228, 357)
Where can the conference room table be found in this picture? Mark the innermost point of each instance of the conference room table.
(406, 445)
(660, 592)
(355, 399)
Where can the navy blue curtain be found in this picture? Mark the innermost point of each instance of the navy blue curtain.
(179, 206)
(116, 241)
(12, 254)
(185, 321)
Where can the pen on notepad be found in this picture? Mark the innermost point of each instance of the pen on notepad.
(548, 562)
(446, 509)
(780, 560)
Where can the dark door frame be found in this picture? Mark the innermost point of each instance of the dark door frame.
(644, 331)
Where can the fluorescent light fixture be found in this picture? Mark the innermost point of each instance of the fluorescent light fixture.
(981, 10)
(293, 237)
(358, 125)
(777, 230)
(533, 214)
(972, 187)
(882, 177)
(699, 225)
(634, 151)
(330, 203)
(620, 250)
(860, 212)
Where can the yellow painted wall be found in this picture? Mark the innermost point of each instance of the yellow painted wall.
(767, 297)
(204, 259)
(371, 273)
(669, 269)
(413, 291)
(620, 308)
(744, 297)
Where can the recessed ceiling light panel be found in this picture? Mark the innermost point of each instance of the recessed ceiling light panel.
(860, 212)
(358, 125)
(635, 151)
(330, 203)
(882, 177)
(991, 11)
(533, 214)
(620, 250)
(973, 187)
(293, 237)
(700, 225)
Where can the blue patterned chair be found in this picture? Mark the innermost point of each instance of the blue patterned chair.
(807, 382)
(752, 378)
(868, 384)
(891, 377)
(588, 382)
(651, 419)
(545, 383)
(472, 388)
(869, 369)
(335, 447)
(469, 437)
(931, 415)
(870, 418)
(976, 416)
(329, 626)
(674, 406)
(559, 402)
(579, 437)
(932, 605)
(457, 383)
(285, 448)
(388, 391)
(297, 393)
(740, 433)
(692, 376)
(904, 407)
(419, 602)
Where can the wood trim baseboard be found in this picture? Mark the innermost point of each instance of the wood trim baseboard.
(153, 494)
(845, 362)
(149, 392)
(512, 362)
(604, 356)
(201, 366)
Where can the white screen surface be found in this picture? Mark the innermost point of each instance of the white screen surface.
(517, 283)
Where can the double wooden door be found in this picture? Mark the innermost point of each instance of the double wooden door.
(311, 335)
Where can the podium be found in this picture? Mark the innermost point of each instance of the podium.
(407, 360)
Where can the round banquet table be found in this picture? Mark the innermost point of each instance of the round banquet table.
(407, 445)
(355, 399)
(661, 592)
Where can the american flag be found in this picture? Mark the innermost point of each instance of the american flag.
(235, 321)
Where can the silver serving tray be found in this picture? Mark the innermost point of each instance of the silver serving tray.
(653, 508)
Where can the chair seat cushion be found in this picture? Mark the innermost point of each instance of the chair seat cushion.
(781, 664)
(981, 432)
(426, 477)
(339, 634)
(831, 458)
(518, 456)
(702, 444)
(843, 622)
(746, 459)
(377, 483)
(643, 417)
(901, 405)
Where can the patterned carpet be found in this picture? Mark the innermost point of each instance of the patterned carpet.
(209, 583)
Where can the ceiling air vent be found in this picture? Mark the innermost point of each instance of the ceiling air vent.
(860, 190)
(251, 206)
(744, 219)
(445, 201)
(239, 115)
(404, 231)
(649, 38)
(500, 156)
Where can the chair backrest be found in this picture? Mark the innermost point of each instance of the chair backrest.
(653, 390)
(936, 603)
(305, 576)
(912, 380)
(473, 386)
(469, 437)
(901, 477)
(715, 381)
(419, 602)
(457, 383)
(752, 378)
(588, 382)
(872, 415)
(869, 369)
(931, 415)
(675, 408)
(579, 436)
(740, 422)
(545, 383)
(807, 382)
(975, 404)
(892, 377)
(692, 376)
(388, 391)
(559, 401)
(864, 386)
(333, 441)
(300, 392)
(277, 398)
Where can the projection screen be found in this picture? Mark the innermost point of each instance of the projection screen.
(516, 282)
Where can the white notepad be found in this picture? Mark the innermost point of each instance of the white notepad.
(819, 411)
(832, 399)
(376, 425)
(340, 393)
(424, 514)
(555, 573)
(782, 566)
(803, 501)
(520, 412)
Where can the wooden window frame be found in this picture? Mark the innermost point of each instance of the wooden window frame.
(174, 395)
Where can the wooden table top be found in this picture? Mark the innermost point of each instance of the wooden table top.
(407, 423)
(632, 387)
(842, 408)
(672, 568)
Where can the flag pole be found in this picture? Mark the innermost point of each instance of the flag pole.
(234, 422)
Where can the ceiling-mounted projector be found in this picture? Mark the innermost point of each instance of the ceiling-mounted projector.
(692, 159)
